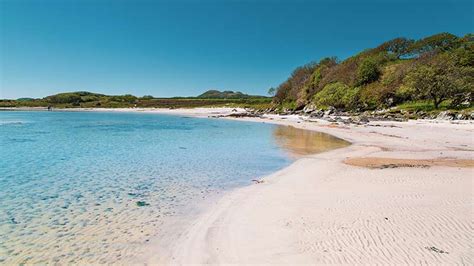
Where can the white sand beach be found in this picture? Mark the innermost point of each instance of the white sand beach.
(322, 210)
(402, 193)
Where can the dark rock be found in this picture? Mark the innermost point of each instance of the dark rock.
(459, 116)
(348, 121)
(142, 204)
(437, 250)
(445, 115)
(317, 114)
(243, 115)
(309, 109)
(362, 119)
(329, 111)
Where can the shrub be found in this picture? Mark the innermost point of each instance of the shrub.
(127, 98)
(72, 98)
(367, 72)
(405, 93)
(351, 98)
(368, 98)
(337, 95)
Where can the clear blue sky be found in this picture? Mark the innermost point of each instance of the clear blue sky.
(171, 48)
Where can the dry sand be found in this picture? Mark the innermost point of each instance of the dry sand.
(335, 207)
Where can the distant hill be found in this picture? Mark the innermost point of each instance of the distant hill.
(25, 99)
(215, 94)
(89, 99)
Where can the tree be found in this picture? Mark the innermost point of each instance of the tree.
(398, 46)
(271, 91)
(438, 42)
(440, 80)
(367, 71)
(311, 85)
(290, 90)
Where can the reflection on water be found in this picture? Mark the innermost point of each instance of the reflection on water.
(299, 142)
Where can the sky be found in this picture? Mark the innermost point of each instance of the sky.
(183, 48)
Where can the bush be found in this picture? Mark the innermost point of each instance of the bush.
(127, 98)
(367, 72)
(351, 98)
(368, 98)
(72, 98)
(337, 95)
(405, 93)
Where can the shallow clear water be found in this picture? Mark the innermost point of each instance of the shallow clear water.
(95, 186)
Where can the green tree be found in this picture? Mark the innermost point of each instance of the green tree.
(398, 46)
(271, 91)
(368, 71)
(438, 42)
(440, 80)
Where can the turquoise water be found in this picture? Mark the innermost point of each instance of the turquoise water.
(94, 186)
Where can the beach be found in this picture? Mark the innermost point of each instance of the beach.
(402, 193)
(236, 132)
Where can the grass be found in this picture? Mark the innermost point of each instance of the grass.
(428, 106)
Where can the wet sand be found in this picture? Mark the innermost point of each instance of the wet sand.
(299, 142)
(380, 163)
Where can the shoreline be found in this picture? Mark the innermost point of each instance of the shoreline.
(322, 210)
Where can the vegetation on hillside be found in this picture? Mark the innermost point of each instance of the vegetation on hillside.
(438, 68)
(88, 100)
